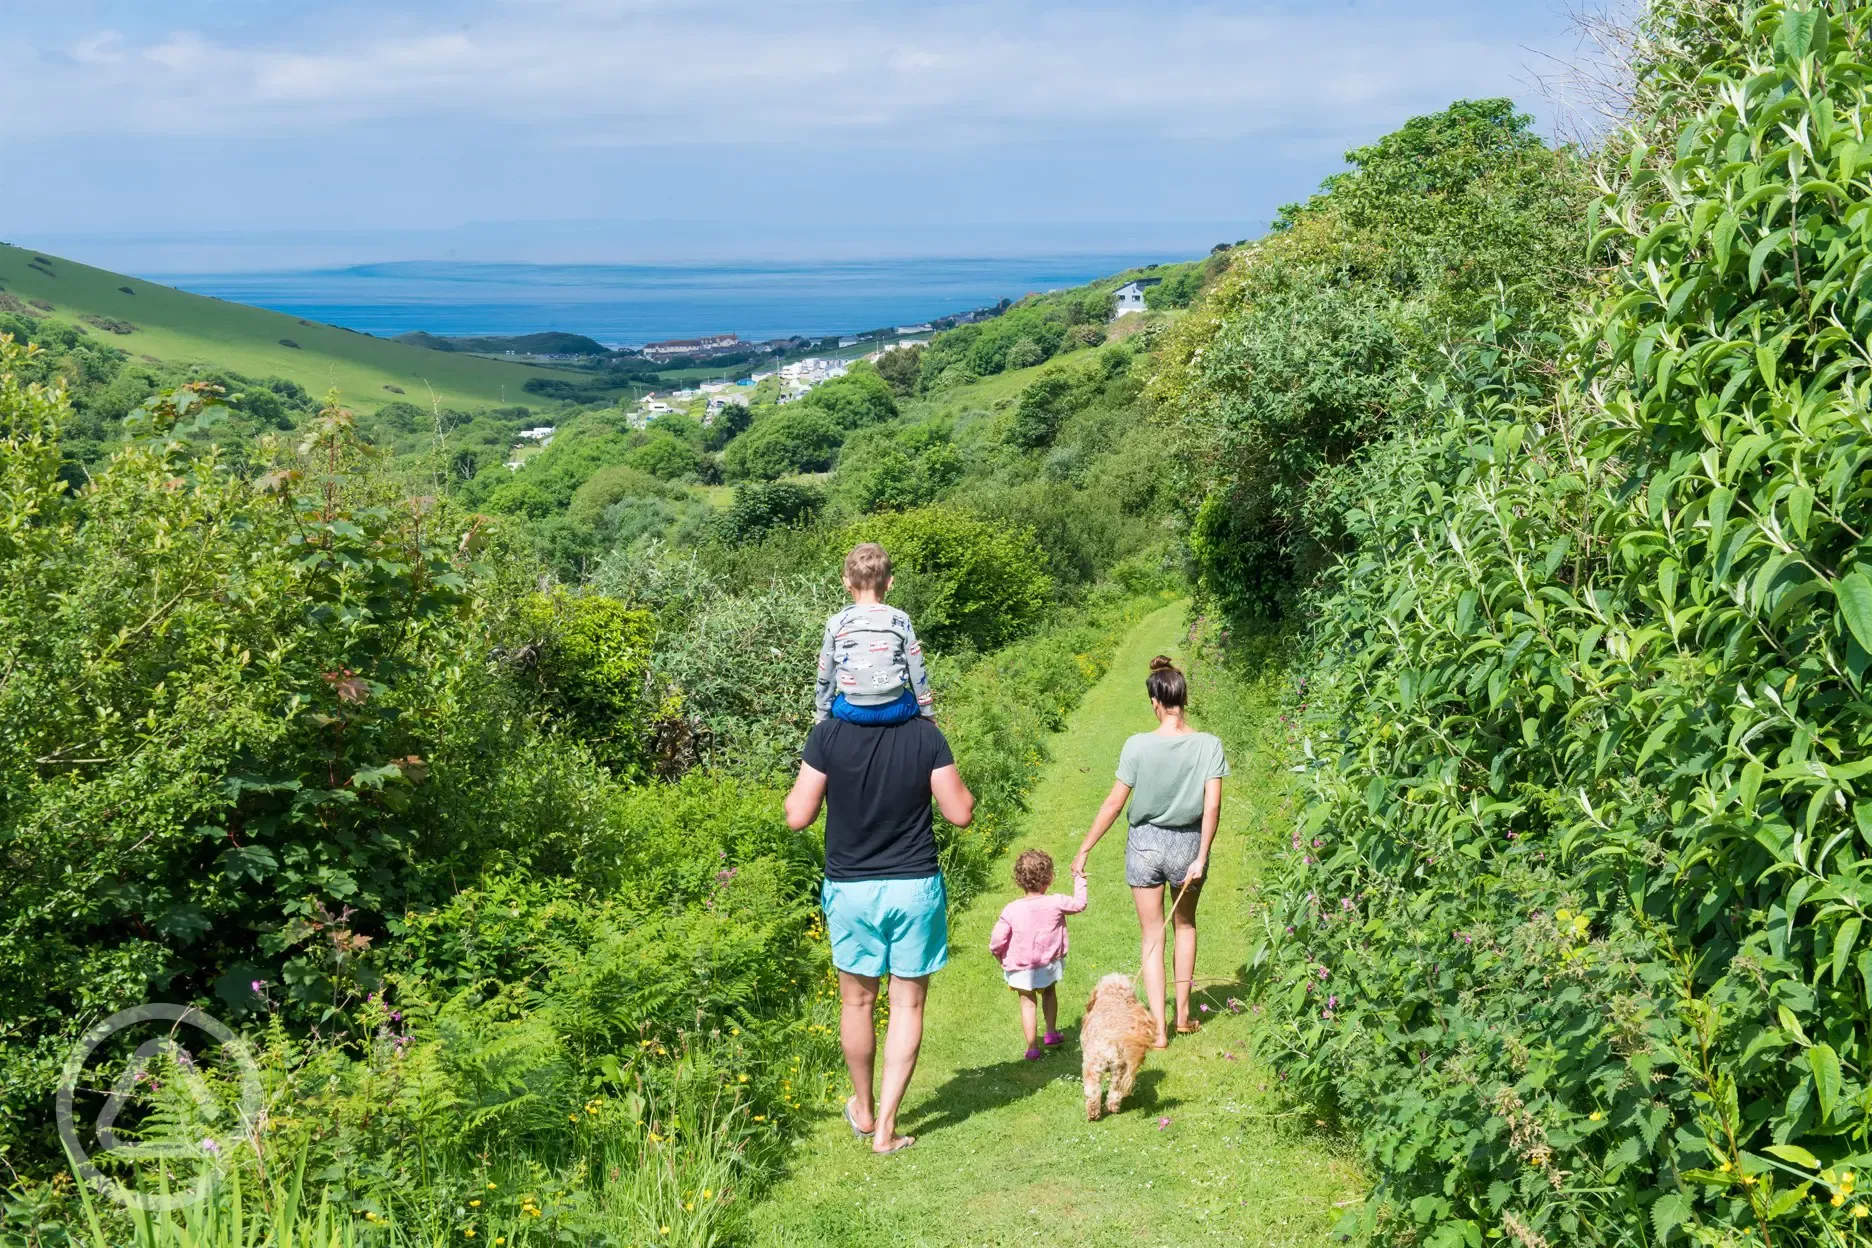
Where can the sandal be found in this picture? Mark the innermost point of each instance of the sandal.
(1053, 1039)
(1189, 1027)
(851, 1120)
(902, 1143)
(1033, 1054)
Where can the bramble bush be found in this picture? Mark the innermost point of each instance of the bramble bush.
(1572, 928)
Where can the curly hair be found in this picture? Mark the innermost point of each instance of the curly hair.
(1033, 870)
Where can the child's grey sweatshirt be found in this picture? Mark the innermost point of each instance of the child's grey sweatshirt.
(871, 655)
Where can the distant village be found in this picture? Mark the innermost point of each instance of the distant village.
(797, 377)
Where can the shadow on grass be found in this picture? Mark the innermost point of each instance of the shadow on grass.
(983, 1089)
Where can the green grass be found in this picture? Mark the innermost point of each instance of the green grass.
(190, 331)
(1004, 1154)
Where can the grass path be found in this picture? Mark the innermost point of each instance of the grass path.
(1004, 1155)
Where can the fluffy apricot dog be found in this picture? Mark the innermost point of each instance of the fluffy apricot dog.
(1114, 1037)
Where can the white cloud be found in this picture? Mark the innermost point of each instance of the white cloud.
(624, 72)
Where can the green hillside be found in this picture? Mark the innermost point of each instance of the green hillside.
(181, 329)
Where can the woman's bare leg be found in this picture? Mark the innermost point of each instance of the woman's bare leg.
(1184, 919)
(1151, 924)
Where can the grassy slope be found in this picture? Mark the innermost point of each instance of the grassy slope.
(185, 330)
(1005, 1155)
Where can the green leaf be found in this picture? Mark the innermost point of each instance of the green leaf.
(1800, 509)
(1724, 239)
(1854, 592)
(1825, 1065)
(1843, 942)
(1669, 1212)
(1797, 34)
(1794, 1154)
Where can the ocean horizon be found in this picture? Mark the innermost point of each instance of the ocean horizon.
(631, 304)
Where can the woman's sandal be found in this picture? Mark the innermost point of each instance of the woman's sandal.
(1189, 1028)
(851, 1120)
(902, 1143)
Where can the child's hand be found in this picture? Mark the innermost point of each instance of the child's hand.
(1079, 873)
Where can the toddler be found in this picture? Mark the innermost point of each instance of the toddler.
(1030, 940)
(870, 664)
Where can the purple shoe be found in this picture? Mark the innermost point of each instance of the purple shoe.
(1053, 1040)
(1033, 1055)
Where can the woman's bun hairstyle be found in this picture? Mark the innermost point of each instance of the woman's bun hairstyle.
(1165, 684)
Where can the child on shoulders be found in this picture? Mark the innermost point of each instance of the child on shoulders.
(870, 663)
(1030, 940)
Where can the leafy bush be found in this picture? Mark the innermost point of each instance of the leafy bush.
(759, 507)
(1572, 925)
(963, 581)
(1304, 351)
(794, 439)
(664, 456)
(860, 398)
(588, 656)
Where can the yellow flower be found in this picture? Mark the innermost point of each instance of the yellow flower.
(1859, 1211)
(1595, 1116)
(474, 1204)
(688, 1206)
(370, 1215)
(740, 1078)
(708, 1193)
(469, 1232)
(490, 1186)
(1839, 1198)
(760, 1117)
(499, 1240)
(1726, 1167)
(662, 1230)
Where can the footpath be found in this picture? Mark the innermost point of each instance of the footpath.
(1203, 1152)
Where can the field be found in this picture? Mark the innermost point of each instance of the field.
(188, 331)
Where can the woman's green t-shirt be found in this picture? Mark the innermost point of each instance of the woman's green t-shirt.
(1167, 776)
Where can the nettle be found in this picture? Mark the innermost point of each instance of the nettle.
(1574, 925)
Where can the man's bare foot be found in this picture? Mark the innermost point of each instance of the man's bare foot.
(896, 1145)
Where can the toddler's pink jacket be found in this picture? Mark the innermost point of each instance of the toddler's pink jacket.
(1032, 930)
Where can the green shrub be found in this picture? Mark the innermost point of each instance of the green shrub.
(607, 487)
(963, 580)
(1572, 926)
(792, 440)
(862, 397)
(664, 456)
(761, 506)
(588, 656)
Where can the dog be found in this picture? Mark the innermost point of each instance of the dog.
(1114, 1036)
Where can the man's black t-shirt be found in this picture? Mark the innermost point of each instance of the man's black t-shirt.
(878, 796)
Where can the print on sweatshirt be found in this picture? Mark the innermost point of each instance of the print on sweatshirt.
(870, 653)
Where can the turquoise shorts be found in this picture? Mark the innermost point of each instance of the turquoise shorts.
(888, 927)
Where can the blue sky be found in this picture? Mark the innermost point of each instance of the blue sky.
(162, 135)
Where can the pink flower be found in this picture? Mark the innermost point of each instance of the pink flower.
(257, 985)
(1163, 1122)
(1203, 1008)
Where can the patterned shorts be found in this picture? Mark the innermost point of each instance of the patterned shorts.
(1156, 856)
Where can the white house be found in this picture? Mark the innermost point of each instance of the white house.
(1130, 296)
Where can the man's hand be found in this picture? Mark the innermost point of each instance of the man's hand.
(1195, 872)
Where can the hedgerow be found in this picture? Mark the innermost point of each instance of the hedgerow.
(1572, 928)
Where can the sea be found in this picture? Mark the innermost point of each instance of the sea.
(631, 304)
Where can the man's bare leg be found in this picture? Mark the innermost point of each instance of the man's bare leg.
(858, 1037)
(903, 1039)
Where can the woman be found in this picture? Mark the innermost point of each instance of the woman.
(1173, 779)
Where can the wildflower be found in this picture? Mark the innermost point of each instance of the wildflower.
(1859, 1211)
(688, 1206)
(662, 1230)
(760, 1117)
(740, 1078)
(1332, 1002)
(499, 1240)
(708, 1193)
(490, 1185)
(1203, 1008)
(257, 985)
(475, 1203)
(1596, 1115)
(1163, 1122)
(469, 1232)
(1726, 1166)
(1839, 1198)
(370, 1215)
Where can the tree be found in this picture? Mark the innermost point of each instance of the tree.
(1041, 407)
(794, 439)
(965, 581)
(900, 366)
(761, 506)
(664, 456)
(856, 400)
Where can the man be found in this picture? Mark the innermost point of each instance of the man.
(885, 907)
